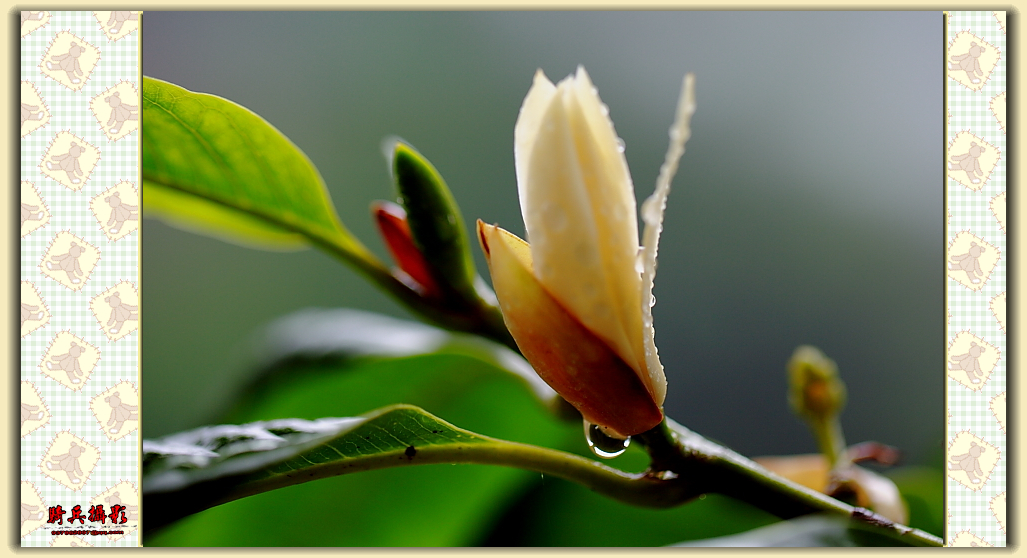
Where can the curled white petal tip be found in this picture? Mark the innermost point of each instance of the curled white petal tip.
(652, 213)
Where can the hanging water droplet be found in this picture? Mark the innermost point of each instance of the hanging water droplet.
(620, 145)
(602, 444)
(652, 300)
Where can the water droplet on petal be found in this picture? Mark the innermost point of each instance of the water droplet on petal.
(602, 444)
(650, 213)
(605, 110)
(652, 300)
(620, 145)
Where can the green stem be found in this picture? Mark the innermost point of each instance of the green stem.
(830, 440)
(485, 320)
(675, 448)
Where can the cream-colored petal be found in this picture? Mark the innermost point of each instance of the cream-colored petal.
(652, 214)
(529, 120)
(579, 213)
(619, 195)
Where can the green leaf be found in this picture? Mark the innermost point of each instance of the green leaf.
(211, 164)
(808, 531)
(385, 507)
(199, 216)
(173, 462)
(255, 458)
(339, 335)
(191, 471)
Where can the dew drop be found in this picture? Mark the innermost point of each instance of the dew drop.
(605, 110)
(651, 210)
(602, 444)
(652, 300)
(620, 145)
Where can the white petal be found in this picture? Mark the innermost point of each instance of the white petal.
(579, 211)
(529, 120)
(652, 215)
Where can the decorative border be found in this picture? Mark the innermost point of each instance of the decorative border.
(974, 517)
(107, 162)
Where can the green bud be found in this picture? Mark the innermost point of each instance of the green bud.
(816, 392)
(435, 222)
(436, 228)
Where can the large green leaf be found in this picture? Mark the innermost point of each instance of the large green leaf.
(191, 471)
(383, 507)
(212, 165)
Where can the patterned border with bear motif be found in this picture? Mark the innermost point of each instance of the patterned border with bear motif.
(977, 460)
(76, 144)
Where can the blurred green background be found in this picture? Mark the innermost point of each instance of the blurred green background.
(807, 210)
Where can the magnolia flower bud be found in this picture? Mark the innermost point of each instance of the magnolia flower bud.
(815, 390)
(577, 300)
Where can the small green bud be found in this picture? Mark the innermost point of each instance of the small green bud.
(816, 391)
(818, 395)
